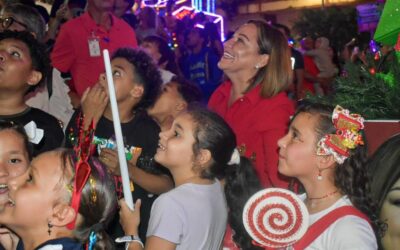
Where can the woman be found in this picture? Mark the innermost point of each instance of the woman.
(324, 150)
(253, 101)
(384, 167)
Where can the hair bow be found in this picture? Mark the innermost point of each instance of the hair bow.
(35, 134)
(347, 135)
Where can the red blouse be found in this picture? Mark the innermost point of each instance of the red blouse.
(258, 124)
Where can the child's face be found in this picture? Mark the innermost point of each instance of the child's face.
(33, 195)
(124, 79)
(14, 160)
(169, 101)
(152, 50)
(297, 149)
(16, 73)
(175, 147)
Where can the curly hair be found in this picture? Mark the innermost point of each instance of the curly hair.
(37, 52)
(351, 177)
(145, 73)
(241, 182)
(96, 212)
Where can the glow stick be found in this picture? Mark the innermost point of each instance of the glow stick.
(66, 2)
(118, 133)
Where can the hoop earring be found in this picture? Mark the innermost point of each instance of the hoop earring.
(49, 226)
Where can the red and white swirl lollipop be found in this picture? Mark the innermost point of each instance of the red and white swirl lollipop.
(275, 217)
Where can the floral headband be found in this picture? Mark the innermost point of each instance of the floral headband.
(347, 135)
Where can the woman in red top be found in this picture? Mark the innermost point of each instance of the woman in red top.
(253, 101)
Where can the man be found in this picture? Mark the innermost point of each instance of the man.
(200, 65)
(79, 45)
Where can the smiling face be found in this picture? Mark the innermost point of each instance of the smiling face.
(176, 145)
(241, 52)
(14, 160)
(390, 213)
(36, 192)
(16, 70)
(297, 149)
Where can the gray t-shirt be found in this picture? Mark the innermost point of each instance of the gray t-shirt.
(192, 216)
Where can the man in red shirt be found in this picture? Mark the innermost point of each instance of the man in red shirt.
(79, 45)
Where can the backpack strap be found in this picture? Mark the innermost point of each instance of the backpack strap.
(323, 223)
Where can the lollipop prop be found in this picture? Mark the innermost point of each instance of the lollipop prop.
(275, 218)
(118, 132)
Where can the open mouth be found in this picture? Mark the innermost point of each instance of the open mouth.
(228, 56)
(3, 188)
(160, 146)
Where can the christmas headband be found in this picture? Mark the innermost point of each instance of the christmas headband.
(347, 135)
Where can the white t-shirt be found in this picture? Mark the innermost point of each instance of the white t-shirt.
(347, 233)
(192, 216)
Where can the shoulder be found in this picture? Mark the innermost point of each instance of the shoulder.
(352, 232)
(222, 92)
(142, 119)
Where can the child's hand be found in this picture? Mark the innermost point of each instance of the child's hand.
(94, 101)
(110, 158)
(129, 219)
(8, 239)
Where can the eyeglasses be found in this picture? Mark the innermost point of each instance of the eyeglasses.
(8, 21)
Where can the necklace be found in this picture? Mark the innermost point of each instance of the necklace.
(324, 196)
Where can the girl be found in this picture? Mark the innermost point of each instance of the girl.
(15, 155)
(199, 148)
(325, 152)
(57, 204)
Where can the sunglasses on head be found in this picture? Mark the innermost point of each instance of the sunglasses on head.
(8, 21)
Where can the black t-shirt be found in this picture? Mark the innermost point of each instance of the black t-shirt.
(142, 131)
(53, 133)
(298, 59)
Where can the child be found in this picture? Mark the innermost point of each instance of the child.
(49, 191)
(174, 98)
(24, 63)
(325, 152)
(15, 155)
(199, 148)
(137, 84)
(323, 58)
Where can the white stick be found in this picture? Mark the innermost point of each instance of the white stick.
(66, 2)
(118, 133)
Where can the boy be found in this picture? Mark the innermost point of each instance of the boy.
(137, 83)
(23, 65)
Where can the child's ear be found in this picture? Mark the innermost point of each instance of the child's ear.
(34, 78)
(63, 214)
(137, 91)
(326, 161)
(180, 105)
(203, 157)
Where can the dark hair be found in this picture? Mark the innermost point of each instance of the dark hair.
(188, 91)
(37, 52)
(351, 177)
(276, 76)
(98, 202)
(384, 169)
(241, 182)
(30, 17)
(19, 129)
(283, 27)
(146, 73)
(167, 55)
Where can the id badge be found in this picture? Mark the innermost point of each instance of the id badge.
(94, 47)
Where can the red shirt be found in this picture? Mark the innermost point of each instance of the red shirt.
(71, 50)
(311, 68)
(258, 124)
